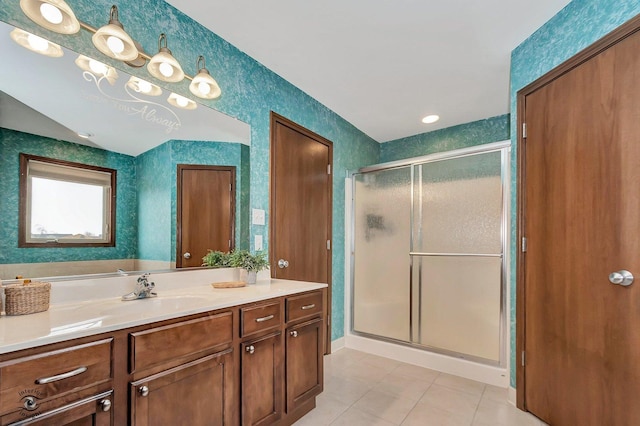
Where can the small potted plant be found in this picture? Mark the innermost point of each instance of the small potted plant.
(217, 259)
(251, 263)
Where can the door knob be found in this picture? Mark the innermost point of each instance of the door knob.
(187, 255)
(250, 349)
(283, 263)
(622, 277)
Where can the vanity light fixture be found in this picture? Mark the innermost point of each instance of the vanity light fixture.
(142, 86)
(181, 102)
(97, 68)
(54, 15)
(429, 119)
(163, 65)
(203, 85)
(36, 44)
(113, 41)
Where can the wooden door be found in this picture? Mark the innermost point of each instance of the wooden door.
(196, 393)
(205, 212)
(580, 214)
(261, 380)
(301, 206)
(304, 349)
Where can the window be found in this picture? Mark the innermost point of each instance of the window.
(65, 204)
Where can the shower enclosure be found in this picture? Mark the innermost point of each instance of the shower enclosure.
(429, 238)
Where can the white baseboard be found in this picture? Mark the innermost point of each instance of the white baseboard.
(482, 373)
(337, 344)
(512, 396)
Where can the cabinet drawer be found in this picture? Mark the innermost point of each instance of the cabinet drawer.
(53, 374)
(303, 306)
(171, 342)
(259, 318)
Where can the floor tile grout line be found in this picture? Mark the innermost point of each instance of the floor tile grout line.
(475, 412)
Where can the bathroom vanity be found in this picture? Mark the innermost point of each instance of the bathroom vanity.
(194, 355)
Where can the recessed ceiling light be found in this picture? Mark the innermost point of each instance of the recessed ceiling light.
(85, 135)
(431, 119)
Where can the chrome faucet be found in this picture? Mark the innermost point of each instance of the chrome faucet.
(143, 289)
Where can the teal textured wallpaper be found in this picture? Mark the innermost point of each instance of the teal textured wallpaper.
(479, 132)
(12, 143)
(154, 203)
(578, 25)
(249, 92)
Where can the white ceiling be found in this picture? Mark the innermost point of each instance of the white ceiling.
(382, 64)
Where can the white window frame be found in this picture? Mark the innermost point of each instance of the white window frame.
(47, 168)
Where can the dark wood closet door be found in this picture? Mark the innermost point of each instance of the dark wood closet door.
(301, 207)
(205, 212)
(582, 223)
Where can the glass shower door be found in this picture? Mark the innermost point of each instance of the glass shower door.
(457, 255)
(382, 234)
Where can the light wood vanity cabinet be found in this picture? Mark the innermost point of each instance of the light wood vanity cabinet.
(254, 364)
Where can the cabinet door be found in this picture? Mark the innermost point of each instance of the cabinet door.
(262, 380)
(93, 411)
(304, 362)
(197, 393)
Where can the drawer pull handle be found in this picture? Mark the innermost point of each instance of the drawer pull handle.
(294, 333)
(251, 349)
(144, 390)
(263, 319)
(62, 376)
(311, 306)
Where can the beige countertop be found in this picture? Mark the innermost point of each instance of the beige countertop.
(70, 318)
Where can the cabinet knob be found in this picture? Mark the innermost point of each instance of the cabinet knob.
(251, 349)
(105, 405)
(144, 390)
(293, 333)
(187, 255)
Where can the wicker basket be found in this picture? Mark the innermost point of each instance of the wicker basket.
(27, 299)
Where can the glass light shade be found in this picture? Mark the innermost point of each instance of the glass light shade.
(204, 86)
(54, 15)
(165, 67)
(36, 44)
(181, 102)
(142, 86)
(97, 68)
(113, 41)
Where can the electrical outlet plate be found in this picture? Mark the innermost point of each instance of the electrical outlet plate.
(258, 242)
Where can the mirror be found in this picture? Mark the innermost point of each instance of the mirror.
(45, 102)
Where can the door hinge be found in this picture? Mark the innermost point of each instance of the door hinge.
(522, 359)
(328, 244)
(524, 244)
(328, 320)
(328, 169)
(524, 130)
(229, 243)
(230, 187)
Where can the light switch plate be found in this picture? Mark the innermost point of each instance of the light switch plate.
(257, 217)
(258, 243)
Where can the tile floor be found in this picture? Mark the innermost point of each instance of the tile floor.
(368, 390)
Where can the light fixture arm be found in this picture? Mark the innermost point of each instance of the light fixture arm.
(203, 67)
(113, 16)
(163, 37)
